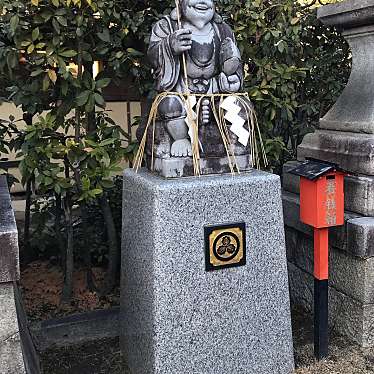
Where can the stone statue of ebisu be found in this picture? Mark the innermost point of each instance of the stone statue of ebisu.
(213, 64)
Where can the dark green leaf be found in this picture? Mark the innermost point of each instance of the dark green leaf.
(99, 100)
(68, 53)
(104, 35)
(14, 22)
(62, 21)
(102, 83)
(35, 34)
(81, 100)
(56, 26)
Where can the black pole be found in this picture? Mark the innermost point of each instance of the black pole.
(321, 324)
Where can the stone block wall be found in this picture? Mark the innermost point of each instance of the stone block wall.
(11, 358)
(351, 284)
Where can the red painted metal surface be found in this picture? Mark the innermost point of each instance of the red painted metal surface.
(321, 254)
(322, 201)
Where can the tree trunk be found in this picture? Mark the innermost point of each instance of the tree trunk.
(113, 255)
(27, 117)
(57, 227)
(67, 291)
(26, 229)
(87, 251)
(90, 117)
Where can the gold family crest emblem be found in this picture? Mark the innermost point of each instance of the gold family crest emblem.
(225, 246)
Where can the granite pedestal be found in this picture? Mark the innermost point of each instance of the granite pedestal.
(176, 317)
(345, 137)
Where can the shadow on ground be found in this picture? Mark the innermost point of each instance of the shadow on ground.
(99, 357)
(103, 357)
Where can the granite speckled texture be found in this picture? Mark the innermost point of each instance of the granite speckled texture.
(178, 318)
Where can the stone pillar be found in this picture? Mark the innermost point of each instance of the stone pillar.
(178, 316)
(345, 137)
(11, 360)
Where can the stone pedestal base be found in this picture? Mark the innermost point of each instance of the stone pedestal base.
(351, 259)
(176, 317)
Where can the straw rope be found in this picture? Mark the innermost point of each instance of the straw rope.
(255, 146)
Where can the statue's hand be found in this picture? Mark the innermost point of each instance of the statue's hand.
(180, 41)
(229, 83)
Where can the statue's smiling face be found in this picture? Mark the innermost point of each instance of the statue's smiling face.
(198, 11)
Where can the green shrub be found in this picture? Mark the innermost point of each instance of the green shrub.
(43, 243)
(295, 69)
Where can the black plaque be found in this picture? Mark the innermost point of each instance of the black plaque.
(225, 246)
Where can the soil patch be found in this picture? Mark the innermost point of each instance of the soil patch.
(100, 357)
(345, 357)
(41, 286)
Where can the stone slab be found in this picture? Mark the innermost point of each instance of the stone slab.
(291, 210)
(31, 356)
(354, 237)
(77, 329)
(359, 194)
(350, 275)
(360, 236)
(178, 318)
(11, 360)
(347, 14)
(351, 151)
(359, 190)
(9, 251)
(290, 182)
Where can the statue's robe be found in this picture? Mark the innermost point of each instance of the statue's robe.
(168, 67)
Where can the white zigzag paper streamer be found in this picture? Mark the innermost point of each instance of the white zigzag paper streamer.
(192, 102)
(232, 115)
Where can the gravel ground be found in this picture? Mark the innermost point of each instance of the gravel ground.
(345, 357)
(102, 357)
